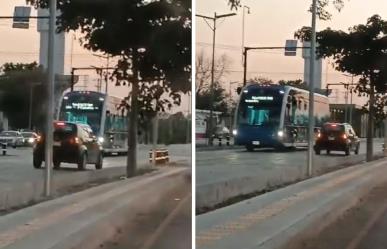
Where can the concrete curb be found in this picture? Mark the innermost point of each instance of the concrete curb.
(223, 147)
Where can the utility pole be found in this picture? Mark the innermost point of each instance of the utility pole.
(50, 107)
(107, 72)
(30, 109)
(245, 65)
(243, 29)
(213, 28)
(311, 89)
(351, 107)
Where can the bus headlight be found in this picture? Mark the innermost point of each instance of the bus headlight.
(234, 132)
(280, 133)
(101, 140)
(31, 140)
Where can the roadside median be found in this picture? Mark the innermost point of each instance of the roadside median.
(88, 218)
(226, 191)
(24, 194)
(274, 219)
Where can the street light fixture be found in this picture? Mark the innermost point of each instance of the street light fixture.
(213, 28)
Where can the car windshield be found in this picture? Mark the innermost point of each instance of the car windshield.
(260, 107)
(27, 134)
(8, 134)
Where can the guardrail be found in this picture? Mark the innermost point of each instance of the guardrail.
(227, 138)
(161, 156)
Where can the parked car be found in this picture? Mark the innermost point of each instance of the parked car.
(73, 143)
(337, 137)
(29, 138)
(11, 138)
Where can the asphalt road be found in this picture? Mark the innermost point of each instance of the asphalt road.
(168, 226)
(231, 175)
(222, 165)
(17, 167)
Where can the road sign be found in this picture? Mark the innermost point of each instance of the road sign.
(21, 17)
(291, 48)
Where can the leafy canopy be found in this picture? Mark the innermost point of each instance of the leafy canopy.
(322, 13)
(151, 37)
(16, 82)
(362, 51)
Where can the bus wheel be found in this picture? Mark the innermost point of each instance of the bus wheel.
(250, 148)
(82, 161)
(99, 163)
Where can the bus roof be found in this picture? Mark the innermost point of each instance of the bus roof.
(279, 87)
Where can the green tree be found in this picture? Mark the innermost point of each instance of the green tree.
(203, 99)
(152, 41)
(360, 52)
(16, 83)
(203, 73)
(261, 81)
(322, 13)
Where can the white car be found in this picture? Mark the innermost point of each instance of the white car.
(12, 138)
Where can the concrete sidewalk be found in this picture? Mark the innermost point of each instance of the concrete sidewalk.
(274, 218)
(88, 218)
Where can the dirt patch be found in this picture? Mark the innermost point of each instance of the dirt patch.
(350, 231)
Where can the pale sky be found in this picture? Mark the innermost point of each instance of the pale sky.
(22, 45)
(270, 23)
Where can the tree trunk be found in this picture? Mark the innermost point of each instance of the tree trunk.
(370, 128)
(131, 162)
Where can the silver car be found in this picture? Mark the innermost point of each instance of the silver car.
(11, 138)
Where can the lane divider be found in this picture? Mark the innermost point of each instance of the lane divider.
(243, 222)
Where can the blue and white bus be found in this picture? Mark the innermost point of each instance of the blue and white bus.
(276, 116)
(101, 113)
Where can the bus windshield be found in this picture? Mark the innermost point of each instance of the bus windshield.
(83, 108)
(260, 107)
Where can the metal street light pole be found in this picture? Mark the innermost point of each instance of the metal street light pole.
(50, 107)
(210, 126)
(213, 28)
(31, 102)
(311, 89)
(243, 29)
(30, 109)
